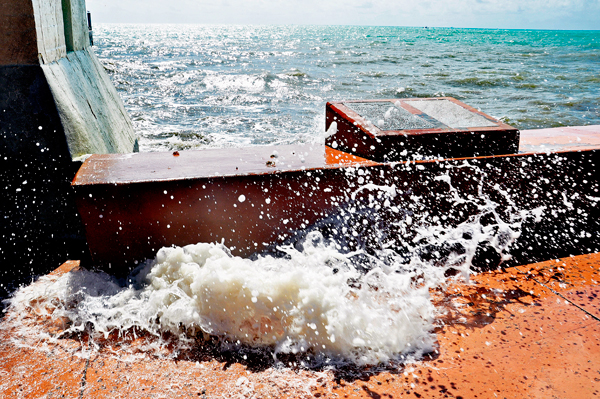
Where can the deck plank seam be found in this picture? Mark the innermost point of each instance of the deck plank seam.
(593, 316)
(84, 378)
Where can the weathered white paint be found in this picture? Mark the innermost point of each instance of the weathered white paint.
(50, 30)
(91, 113)
(75, 19)
(93, 116)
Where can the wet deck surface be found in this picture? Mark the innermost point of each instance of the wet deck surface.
(213, 162)
(568, 138)
(529, 332)
(264, 160)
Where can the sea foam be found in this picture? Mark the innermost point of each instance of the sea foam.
(311, 301)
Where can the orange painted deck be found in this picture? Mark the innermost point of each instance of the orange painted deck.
(525, 332)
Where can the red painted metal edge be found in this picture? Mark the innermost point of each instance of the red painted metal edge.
(356, 135)
(571, 138)
(211, 163)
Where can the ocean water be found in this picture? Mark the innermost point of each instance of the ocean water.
(192, 86)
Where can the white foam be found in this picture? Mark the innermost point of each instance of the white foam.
(294, 304)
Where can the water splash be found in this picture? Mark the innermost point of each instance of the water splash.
(352, 289)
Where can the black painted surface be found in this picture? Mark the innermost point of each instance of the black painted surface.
(39, 225)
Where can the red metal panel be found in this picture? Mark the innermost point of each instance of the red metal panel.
(132, 205)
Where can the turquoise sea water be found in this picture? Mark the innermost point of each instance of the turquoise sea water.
(189, 86)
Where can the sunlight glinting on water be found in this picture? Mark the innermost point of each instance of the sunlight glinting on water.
(191, 86)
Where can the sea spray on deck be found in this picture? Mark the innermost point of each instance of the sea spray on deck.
(321, 299)
(312, 302)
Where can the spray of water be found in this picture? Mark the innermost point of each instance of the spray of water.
(344, 292)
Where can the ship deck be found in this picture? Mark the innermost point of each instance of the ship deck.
(528, 331)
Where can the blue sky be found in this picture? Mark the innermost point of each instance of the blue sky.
(523, 14)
